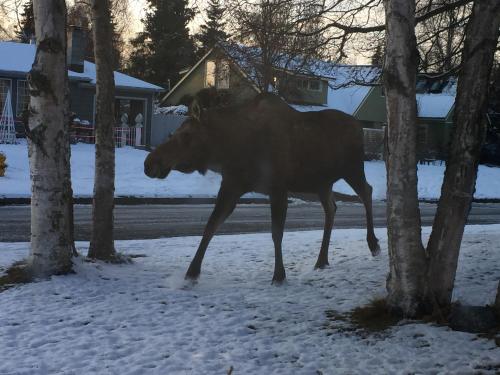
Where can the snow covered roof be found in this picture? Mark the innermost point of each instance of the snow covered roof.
(345, 99)
(348, 84)
(434, 105)
(339, 75)
(435, 98)
(19, 57)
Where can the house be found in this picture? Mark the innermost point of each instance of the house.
(229, 69)
(435, 103)
(353, 89)
(215, 69)
(133, 96)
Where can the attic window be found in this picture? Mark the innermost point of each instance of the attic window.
(210, 74)
(222, 81)
(217, 74)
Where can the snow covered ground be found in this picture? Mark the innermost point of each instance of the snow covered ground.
(143, 318)
(131, 181)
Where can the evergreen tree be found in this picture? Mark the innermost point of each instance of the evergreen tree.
(164, 47)
(378, 56)
(26, 30)
(213, 30)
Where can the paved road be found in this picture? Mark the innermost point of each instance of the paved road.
(155, 221)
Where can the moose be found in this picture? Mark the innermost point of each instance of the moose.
(268, 147)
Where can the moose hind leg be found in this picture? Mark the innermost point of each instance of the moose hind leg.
(224, 206)
(327, 201)
(364, 190)
(279, 205)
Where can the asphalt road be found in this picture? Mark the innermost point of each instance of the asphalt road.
(156, 221)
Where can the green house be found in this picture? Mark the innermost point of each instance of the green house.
(435, 103)
(215, 69)
(229, 69)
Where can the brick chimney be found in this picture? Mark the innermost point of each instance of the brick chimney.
(76, 48)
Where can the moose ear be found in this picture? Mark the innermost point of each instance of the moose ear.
(195, 109)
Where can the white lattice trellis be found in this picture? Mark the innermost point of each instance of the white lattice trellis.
(7, 128)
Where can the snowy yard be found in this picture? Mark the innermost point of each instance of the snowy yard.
(131, 181)
(143, 318)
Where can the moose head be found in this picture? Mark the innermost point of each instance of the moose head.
(185, 151)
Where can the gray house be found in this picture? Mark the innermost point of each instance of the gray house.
(133, 96)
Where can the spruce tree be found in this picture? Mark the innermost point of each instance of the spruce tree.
(164, 47)
(26, 29)
(378, 56)
(213, 30)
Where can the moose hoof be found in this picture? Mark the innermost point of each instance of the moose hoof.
(376, 251)
(278, 278)
(192, 275)
(321, 265)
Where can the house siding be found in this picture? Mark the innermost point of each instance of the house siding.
(372, 110)
(310, 97)
(190, 86)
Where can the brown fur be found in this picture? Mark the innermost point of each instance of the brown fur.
(268, 147)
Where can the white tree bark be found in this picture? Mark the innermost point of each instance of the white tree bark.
(405, 283)
(102, 243)
(51, 243)
(461, 168)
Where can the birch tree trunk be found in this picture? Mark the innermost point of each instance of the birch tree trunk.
(48, 142)
(102, 244)
(407, 260)
(461, 169)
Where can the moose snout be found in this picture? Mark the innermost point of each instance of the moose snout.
(153, 169)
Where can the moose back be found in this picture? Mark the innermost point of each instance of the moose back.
(266, 146)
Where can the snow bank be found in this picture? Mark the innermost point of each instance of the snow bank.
(144, 319)
(131, 180)
(171, 110)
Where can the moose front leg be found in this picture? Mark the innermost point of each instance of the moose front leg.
(224, 206)
(279, 205)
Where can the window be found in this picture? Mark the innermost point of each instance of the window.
(126, 111)
(210, 74)
(315, 85)
(217, 74)
(309, 84)
(302, 84)
(23, 97)
(223, 74)
(4, 89)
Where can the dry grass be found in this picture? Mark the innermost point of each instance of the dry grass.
(15, 274)
(374, 317)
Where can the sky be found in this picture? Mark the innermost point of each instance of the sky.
(138, 10)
